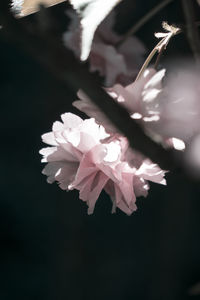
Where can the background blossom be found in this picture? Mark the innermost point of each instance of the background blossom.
(117, 63)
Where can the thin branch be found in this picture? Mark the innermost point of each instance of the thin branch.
(191, 29)
(149, 59)
(145, 19)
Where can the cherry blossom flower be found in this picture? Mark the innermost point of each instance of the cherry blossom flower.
(83, 156)
(116, 64)
(179, 107)
(170, 114)
(69, 141)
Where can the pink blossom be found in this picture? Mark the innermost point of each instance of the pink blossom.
(131, 96)
(100, 169)
(83, 156)
(108, 62)
(69, 141)
(116, 64)
(179, 107)
(145, 100)
(170, 114)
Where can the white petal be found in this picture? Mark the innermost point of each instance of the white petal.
(71, 120)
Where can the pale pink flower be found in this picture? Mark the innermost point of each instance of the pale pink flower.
(158, 110)
(83, 156)
(179, 106)
(69, 141)
(108, 62)
(131, 96)
(116, 64)
(102, 168)
(171, 114)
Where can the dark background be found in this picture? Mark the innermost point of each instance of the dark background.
(50, 247)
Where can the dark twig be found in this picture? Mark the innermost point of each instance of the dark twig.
(191, 29)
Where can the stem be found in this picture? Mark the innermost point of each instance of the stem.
(145, 19)
(158, 57)
(149, 58)
(172, 31)
(191, 29)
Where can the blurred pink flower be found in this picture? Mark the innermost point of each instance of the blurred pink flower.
(171, 114)
(179, 106)
(83, 156)
(117, 64)
(167, 114)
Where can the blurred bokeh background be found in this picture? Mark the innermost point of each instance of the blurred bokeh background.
(50, 248)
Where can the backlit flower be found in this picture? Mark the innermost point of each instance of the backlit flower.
(84, 157)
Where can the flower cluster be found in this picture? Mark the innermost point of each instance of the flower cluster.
(91, 155)
(83, 156)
